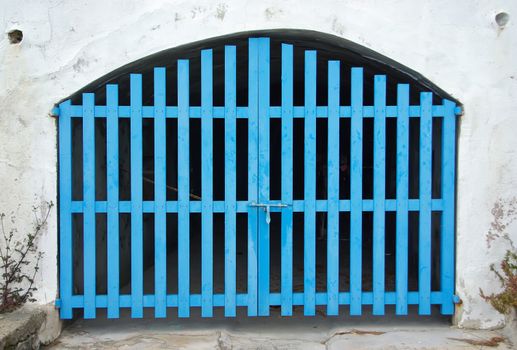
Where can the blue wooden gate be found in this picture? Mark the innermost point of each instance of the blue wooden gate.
(258, 298)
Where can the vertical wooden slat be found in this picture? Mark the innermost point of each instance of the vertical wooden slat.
(112, 160)
(333, 190)
(89, 205)
(65, 214)
(401, 276)
(183, 190)
(137, 286)
(263, 176)
(448, 192)
(424, 229)
(230, 178)
(207, 280)
(252, 176)
(379, 193)
(309, 266)
(356, 192)
(287, 182)
(160, 193)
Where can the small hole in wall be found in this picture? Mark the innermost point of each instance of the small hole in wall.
(502, 19)
(15, 36)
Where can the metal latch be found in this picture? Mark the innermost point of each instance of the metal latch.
(267, 208)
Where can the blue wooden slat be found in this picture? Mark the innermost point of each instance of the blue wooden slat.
(89, 205)
(263, 176)
(287, 181)
(230, 178)
(65, 212)
(206, 184)
(183, 190)
(379, 193)
(447, 227)
(136, 198)
(356, 191)
(252, 175)
(401, 276)
(309, 266)
(112, 161)
(333, 190)
(424, 229)
(160, 193)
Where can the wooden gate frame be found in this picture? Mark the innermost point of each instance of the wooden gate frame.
(258, 298)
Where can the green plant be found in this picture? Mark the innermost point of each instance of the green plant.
(19, 261)
(506, 300)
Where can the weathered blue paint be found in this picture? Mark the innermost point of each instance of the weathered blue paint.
(379, 194)
(287, 181)
(137, 265)
(112, 181)
(183, 190)
(207, 249)
(263, 176)
(243, 112)
(447, 229)
(253, 65)
(101, 301)
(298, 206)
(401, 249)
(230, 178)
(424, 219)
(258, 298)
(309, 264)
(356, 192)
(160, 194)
(333, 190)
(65, 210)
(89, 221)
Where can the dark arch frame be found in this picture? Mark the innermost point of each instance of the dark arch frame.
(328, 46)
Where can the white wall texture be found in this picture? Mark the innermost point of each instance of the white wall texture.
(456, 44)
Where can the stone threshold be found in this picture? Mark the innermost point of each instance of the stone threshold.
(28, 327)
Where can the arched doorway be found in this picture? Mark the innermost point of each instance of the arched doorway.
(263, 172)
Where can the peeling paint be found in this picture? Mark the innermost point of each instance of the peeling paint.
(197, 10)
(272, 12)
(504, 213)
(80, 64)
(337, 27)
(220, 12)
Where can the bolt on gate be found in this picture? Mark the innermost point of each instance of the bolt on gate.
(342, 286)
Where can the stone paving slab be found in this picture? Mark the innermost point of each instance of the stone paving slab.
(275, 332)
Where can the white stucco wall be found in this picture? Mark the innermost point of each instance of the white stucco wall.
(456, 44)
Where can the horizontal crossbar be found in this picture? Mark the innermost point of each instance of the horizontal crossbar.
(101, 301)
(243, 206)
(242, 112)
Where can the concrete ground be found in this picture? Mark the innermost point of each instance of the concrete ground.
(274, 332)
